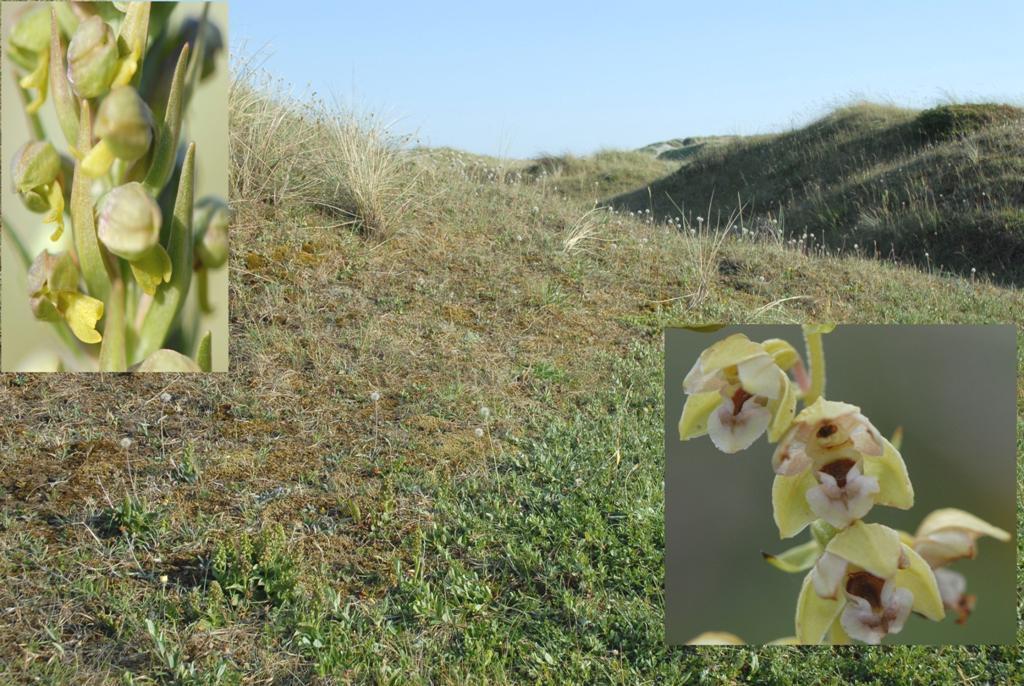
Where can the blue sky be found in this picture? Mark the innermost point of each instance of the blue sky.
(520, 78)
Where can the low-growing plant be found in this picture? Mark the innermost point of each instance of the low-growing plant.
(122, 188)
(832, 468)
(255, 569)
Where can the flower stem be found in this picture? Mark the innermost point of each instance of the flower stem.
(112, 355)
(816, 358)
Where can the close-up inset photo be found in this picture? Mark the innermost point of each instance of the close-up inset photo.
(115, 207)
(878, 507)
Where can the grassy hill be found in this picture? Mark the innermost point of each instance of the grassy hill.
(937, 188)
(341, 507)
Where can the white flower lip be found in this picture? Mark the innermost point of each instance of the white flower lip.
(734, 429)
(843, 495)
(874, 608)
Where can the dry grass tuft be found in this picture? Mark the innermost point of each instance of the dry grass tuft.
(288, 151)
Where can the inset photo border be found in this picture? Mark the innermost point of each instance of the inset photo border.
(885, 511)
(115, 207)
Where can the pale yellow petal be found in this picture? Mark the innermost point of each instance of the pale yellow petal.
(814, 614)
(784, 354)
(873, 547)
(821, 410)
(952, 518)
(783, 409)
(895, 489)
(715, 638)
(790, 509)
(728, 352)
(919, 579)
(698, 407)
(82, 312)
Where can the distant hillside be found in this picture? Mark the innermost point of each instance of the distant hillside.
(684, 148)
(940, 187)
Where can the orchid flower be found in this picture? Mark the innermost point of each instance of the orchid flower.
(945, 536)
(864, 586)
(833, 465)
(737, 391)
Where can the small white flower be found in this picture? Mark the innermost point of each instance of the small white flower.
(479, 432)
(375, 396)
(165, 397)
(485, 411)
(126, 443)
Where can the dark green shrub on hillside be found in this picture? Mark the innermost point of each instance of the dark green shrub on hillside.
(949, 121)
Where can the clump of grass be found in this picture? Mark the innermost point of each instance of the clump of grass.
(585, 229)
(289, 151)
(946, 122)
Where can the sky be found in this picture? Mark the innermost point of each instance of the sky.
(521, 78)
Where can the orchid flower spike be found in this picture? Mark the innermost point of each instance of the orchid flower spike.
(834, 465)
(945, 536)
(738, 390)
(864, 586)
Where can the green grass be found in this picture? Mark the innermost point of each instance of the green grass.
(939, 188)
(339, 510)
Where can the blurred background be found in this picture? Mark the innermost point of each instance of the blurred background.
(951, 388)
(27, 344)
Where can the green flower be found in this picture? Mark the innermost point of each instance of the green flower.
(864, 586)
(36, 172)
(124, 125)
(29, 48)
(736, 391)
(92, 58)
(129, 226)
(54, 295)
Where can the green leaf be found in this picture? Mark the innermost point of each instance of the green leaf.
(168, 132)
(204, 355)
(168, 301)
(64, 101)
(87, 245)
(797, 559)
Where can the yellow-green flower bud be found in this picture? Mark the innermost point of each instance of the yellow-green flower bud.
(125, 124)
(129, 223)
(92, 58)
(30, 36)
(211, 226)
(35, 166)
